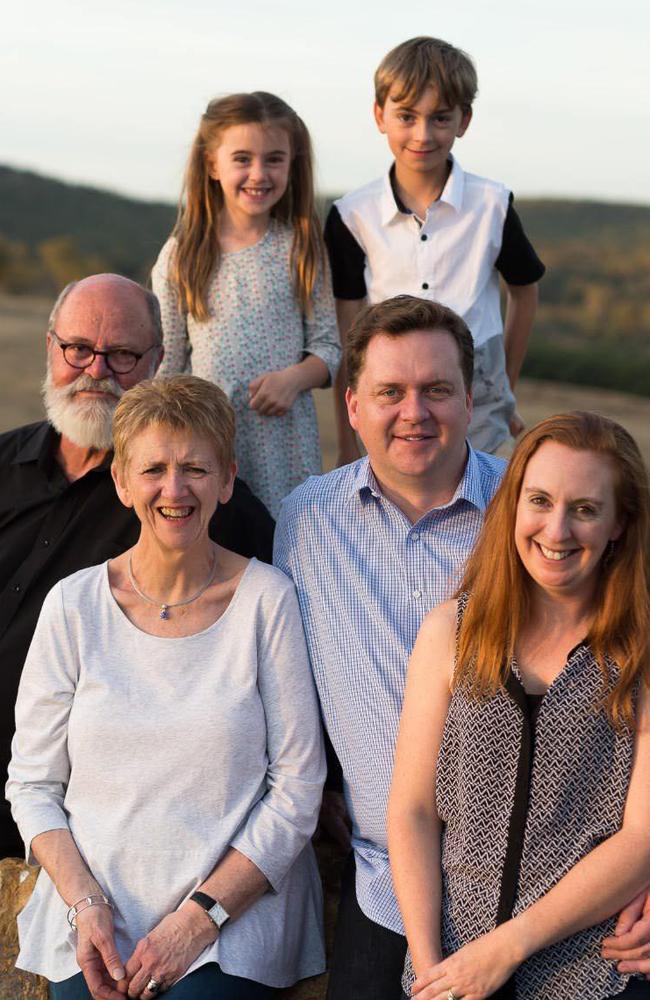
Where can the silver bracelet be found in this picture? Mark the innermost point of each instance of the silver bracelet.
(95, 899)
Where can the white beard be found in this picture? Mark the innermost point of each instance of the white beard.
(86, 422)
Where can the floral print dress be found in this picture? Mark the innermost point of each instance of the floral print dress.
(255, 326)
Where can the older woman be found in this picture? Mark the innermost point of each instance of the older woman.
(167, 765)
(527, 710)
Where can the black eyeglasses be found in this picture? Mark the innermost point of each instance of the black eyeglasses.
(120, 361)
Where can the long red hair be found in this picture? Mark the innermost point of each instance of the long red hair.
(495, 579)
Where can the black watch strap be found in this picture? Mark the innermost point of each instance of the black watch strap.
(212, 907)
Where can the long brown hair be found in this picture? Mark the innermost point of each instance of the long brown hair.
(496, 580)
(197, 248)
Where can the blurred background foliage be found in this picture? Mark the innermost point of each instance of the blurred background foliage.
(593, 325)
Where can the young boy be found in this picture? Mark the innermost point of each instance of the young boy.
(428, 228)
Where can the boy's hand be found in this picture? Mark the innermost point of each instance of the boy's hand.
(273, 394)
(517, 424)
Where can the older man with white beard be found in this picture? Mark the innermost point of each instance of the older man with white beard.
(58, 508)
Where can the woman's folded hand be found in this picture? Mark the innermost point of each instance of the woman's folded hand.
(475, 971)
(97, 954)
(169, 949)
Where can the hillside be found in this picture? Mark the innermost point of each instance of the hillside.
(48, 219)
(593, 325)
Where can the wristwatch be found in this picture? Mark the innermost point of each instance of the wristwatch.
(212, 907)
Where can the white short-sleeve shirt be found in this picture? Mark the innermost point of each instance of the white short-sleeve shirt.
(450, 258)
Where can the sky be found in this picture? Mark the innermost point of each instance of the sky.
(110, 94)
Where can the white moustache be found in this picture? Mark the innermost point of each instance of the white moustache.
(85, 382)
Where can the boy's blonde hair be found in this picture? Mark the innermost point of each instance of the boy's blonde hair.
(427, 62)
(197, 250)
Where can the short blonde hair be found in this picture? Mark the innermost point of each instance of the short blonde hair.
(427, 62)
(182, 403)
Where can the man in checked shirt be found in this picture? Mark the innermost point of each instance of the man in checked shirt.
(371, 548)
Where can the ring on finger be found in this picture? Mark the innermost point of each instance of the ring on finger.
(155, 987)
(451, 995)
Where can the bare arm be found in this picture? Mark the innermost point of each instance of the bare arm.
(97, 954)
(521, 306)
(413, 823)
(594, 889)
(181, 936)
(274, 393)
(610, 875)
(347, 311)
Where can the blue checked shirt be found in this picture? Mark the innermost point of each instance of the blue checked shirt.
(366, 577)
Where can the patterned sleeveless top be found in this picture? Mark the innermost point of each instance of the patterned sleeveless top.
(521, 801)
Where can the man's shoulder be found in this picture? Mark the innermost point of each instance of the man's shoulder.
(12, 442)
(330, 491)
(361, 199)
(490, 469)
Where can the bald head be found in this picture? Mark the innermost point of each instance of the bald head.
(111, 325)
(126, 300)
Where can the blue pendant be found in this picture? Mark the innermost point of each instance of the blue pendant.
(164, 613)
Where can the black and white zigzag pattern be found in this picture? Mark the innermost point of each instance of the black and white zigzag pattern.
(579, 780)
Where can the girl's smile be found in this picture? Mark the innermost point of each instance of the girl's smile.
(251, 163)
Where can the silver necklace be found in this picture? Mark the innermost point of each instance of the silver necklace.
(164, 608)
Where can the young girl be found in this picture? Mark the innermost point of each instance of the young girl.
(243, 287)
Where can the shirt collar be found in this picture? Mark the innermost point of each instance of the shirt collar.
(470, 487)
(365, 486)
(452, 193)
(41, 446)
(389, 208)
(391, 205)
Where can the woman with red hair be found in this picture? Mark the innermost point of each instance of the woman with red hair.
(519, 817)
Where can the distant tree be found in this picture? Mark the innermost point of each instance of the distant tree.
(64, 262)
(19, 272)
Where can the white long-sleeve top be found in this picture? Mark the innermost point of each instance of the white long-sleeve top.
(161, 753)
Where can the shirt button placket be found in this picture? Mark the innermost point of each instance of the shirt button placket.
(416, 591)
(424, 283)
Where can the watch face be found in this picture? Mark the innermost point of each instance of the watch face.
(218, 915)
(212, 907)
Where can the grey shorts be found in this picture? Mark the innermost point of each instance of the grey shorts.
(494, 402)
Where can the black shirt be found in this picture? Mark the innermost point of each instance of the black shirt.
(50, 528)
(517, 263)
